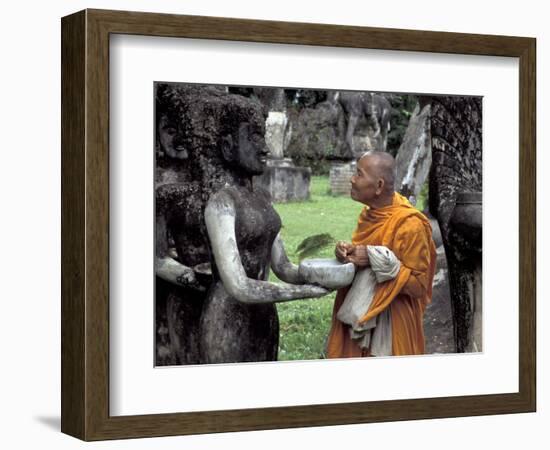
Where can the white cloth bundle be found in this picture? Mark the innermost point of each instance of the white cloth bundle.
(384, 263)
(376, 333)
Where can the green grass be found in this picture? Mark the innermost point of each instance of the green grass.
(304, 324)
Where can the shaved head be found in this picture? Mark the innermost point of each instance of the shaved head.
(380, 164)
(374, 180)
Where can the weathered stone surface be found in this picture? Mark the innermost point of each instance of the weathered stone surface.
(274, 99)
(414, 157)
(456, 129)
(250, 332)
(465, 229)
(367, 118)
(281, 178)
(276, 127)
(327, 272)
(231, 331)
(284, 181)
(179, 203)
(316, 135)
(306, 98)
(465, 238)
(340, 175)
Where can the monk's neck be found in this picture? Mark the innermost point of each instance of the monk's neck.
(381, 202)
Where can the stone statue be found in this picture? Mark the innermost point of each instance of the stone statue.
(414, 157)
(218, 145)
(182, 255)
(455, 200)
(239, 320)
(364, 106)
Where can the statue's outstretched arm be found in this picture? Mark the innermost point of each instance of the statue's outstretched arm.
(167, 267)
(220, 223)
(281, 265)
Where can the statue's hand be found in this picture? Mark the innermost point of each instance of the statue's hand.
(315, 290)
(188, 278)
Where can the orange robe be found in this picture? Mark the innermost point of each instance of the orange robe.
(408, 233)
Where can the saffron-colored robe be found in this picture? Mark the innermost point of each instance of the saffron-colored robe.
(408, 233)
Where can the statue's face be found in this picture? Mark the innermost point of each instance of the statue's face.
(251, 152)
(170, 139)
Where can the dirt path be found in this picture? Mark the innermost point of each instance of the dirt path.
(438, 323)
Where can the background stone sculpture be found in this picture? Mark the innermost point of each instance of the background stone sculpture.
(455, 199)
(282, 178)
(182, 253)
(370, 111)
(414, 157)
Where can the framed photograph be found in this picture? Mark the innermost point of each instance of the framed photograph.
(204, 159)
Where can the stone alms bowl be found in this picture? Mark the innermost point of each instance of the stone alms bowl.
(328, 273)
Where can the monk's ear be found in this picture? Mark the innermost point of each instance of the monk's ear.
(227, 148)
(380, 186)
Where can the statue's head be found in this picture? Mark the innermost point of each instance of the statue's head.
(208, 126)
(235, 126)
(244, 149)
(170, 111)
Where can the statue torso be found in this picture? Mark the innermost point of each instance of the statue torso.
(256, 226)
(226, 321)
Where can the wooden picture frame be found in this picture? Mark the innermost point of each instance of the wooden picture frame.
(85, 224)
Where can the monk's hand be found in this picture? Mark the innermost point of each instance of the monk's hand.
(343, 250)
(359, 256)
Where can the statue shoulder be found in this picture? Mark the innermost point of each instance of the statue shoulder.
(172, 196)
(224, 199)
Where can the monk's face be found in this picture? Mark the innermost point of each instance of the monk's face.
(366, 184)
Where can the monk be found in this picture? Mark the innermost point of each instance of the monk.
(388, 222)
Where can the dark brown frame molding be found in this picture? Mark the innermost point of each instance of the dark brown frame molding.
(85, 224)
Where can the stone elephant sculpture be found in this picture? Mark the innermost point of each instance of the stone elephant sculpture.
(455, 184)
(374, 110)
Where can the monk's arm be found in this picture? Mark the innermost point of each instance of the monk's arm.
(414, 253)
(414, 288)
